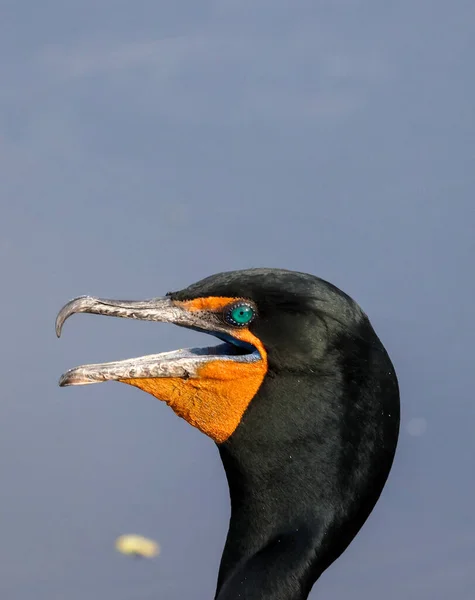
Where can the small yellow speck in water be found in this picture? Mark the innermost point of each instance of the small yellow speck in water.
(137, 545)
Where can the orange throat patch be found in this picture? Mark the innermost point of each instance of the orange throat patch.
(216, 400)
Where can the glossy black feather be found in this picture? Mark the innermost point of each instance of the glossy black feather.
(314, 449)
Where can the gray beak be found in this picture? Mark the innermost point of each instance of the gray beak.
(182, 364)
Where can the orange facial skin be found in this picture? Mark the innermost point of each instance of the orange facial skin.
(217, 399)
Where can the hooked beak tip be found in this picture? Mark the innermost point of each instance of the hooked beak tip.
(63, 381)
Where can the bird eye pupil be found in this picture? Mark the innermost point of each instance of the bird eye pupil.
(240, 315)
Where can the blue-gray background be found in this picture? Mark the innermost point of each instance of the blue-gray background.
(146, 144)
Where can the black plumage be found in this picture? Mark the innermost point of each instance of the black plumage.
(312, 451)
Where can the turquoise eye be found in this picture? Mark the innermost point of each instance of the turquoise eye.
(239, 314)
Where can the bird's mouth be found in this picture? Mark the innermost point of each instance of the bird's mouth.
(184, 363)
(210, 388)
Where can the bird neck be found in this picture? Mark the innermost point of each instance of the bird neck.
(277, 568)
(305, 469)
(272, 549)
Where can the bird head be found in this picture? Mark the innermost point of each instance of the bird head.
(268, 320)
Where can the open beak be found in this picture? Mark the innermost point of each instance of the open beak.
(184, 364)
(210, 388)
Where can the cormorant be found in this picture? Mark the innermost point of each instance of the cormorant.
(302, 401)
